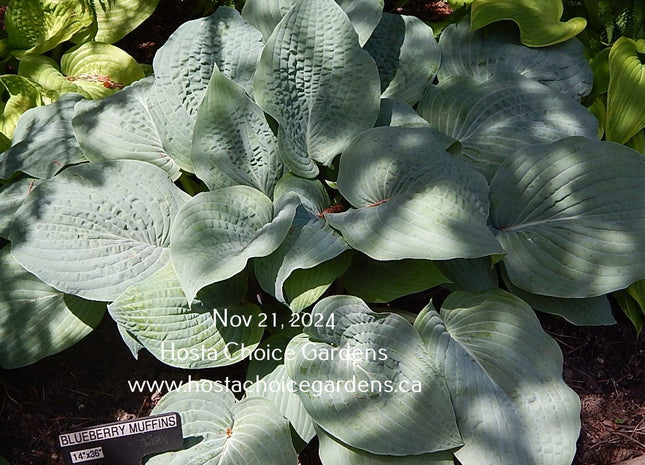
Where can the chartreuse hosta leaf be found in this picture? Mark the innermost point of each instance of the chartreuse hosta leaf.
(309, 242)
(36, 26)
(384, 281)
(120, 127)
(37, 320)
(538, 20)
(333, 452)
(571, 218)
(407, 56)
(43, 141)
(23, 94)
(364, 14)
(233, 143)
(97, 228)
(217, 232)
(220, 430)
(592, 311)
(11, 197)
(183, 68)
(625, 115)
(216, 330)
(480, 54)
(46, 72)
(369, 376)
(504, 374)
(411, 199)
(494, 118)
(318, 83)
(116, 18)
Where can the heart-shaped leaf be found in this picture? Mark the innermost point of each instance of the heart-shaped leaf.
(318, 83)
(11, 197)
(23, 94)
(411, 199)
(475, 274)
(369, 376)
(117, 18)
(570, 217)
(97, 228)
(504, 374)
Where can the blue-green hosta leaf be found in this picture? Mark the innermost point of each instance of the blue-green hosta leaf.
(36, 26)
(592, 311)
(384, 281)
(562, 67)
(217, 232)
(97, 228)
(318, 83)
(120, 127)
(571, 218)
(333, 452)
(23, 94)
(117, 18)
(183, 68)
(411, 199)
(475, 274)
(364, 14)
(407, 56)
(625, 115)
(492, 119)
(233, 143)
(158, 315)
(397, 113)
(100, 69)
(348, 368)
(310, 241)
(246, 432)
(43, 141)
(37, 320)
(504, 374)
(11, 197)
(538, 20)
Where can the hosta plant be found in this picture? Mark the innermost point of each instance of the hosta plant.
(287, 172)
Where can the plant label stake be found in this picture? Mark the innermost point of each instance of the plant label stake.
(122, 442)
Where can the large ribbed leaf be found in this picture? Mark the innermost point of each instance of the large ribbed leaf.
(571, 217)
(476, 274)
(46, 72)
(37, 320)
(504, 374)
(538, 20)
(625, 115)
(310, 241)
(397, 113)
(23, 94)
(43, 141)
(233, 143)
(116, 18)
(157, 314)
(120, 127)
(348, 369)
(97, 228)
(220, 430)
(411, 199)
(333, 452)
(407, 56)
(35, 26)
(217, 232)
(11, 197)
(318, 83)
(364, 14)
(183, 68)
(494, 118)
(479, 54)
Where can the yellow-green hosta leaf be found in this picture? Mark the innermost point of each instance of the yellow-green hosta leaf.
(23, 94)
(626, 94)
(632, 309)
(637, 142)
(347, 368)
(220, 430)
(504, 374)
(36, 320)
(116, 18)
(36, 26)
(101, 69)
(46, 72)
(538, 20)
(156, 313)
